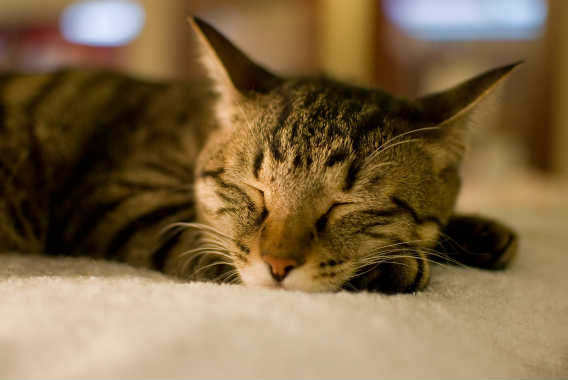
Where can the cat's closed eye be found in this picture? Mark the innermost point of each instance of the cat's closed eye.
(260, 203)
(321, 222)
(256, 189)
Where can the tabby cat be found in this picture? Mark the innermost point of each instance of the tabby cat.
(300, 183)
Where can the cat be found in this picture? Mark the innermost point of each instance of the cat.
(300, 183)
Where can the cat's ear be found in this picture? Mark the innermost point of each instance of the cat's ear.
(444, 113)
(449, 105)
(228, 66)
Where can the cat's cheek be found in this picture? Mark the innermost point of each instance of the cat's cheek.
(207, 201)
(208, 206)
(309, 280)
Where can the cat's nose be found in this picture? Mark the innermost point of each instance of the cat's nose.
(279, 268)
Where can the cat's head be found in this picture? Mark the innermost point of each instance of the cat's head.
(311, 180)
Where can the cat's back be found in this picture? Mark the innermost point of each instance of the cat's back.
(64, 108)
(60, 130)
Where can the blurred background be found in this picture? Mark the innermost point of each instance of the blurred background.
(409, 47)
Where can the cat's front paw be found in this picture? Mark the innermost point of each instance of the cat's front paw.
(399, 275)
(479, 242)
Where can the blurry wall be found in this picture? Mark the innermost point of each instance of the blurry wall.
(278, 33)
(345, 39)
(24, 11)
(524, 126)
(559, 86)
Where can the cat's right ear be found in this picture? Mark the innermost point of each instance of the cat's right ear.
(447, 112)
(228, 66)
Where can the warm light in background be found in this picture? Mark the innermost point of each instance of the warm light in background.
(469, 19)
(102, 22)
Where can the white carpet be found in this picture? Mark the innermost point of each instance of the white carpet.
(77, 318)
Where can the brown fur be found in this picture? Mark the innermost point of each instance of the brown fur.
(354, 186)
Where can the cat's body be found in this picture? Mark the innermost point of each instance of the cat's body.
(303, 183)
(86, 154)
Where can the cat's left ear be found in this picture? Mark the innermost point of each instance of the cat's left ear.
(447, 110)
(233, 72)
(449, 105)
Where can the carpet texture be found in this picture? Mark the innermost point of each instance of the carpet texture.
(79, 318)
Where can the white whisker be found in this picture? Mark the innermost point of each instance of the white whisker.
(217, 263)
(202, 228)
(385, 148)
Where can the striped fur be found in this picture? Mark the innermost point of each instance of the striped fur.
(96, 162)
(353, 184)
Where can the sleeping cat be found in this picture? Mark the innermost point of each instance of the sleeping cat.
(300, 183)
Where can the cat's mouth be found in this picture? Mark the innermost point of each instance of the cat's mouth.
(306, 277)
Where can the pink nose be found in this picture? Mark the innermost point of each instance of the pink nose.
(279, 268)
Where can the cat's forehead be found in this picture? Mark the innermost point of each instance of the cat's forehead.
(319, 122)
(332, 98)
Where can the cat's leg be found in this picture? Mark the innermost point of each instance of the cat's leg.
(11, 239)
(23, 211)
(478, 241)
(19, 225)
(468, 239)
(405, 273)
(23, 194)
